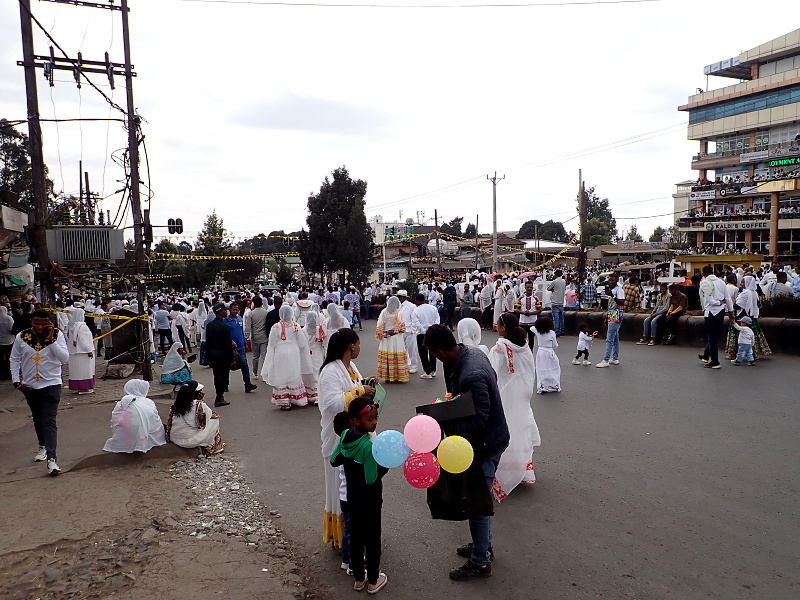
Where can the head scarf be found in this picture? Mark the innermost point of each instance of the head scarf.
(172, 361)
(336, 320)
(468, 332)
(286, 313)
(750, 283)
(135, 388)
(392, 305)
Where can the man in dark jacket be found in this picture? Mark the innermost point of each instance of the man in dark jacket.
(219, 351)
(449, 299)
(468, 370)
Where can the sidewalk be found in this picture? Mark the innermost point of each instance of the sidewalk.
(160, 525)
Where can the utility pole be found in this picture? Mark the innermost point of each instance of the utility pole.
(136, 205)
(536, 237)
(582, 225)
(494, 180)
(39, 238)
(438, 249)
(477, 253)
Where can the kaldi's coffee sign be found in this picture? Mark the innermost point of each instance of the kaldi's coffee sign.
(737, 225)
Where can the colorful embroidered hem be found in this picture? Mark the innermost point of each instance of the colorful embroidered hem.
(283, 396)
(392, 366)
(81, 385)
(498, 491)
(215, 448)
(333, 529)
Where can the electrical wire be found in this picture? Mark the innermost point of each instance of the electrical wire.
(58, 140)
(509, 5)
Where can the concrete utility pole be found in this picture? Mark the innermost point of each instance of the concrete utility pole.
(494, 180)
(477, 253)
(40, 212)
(136, 205)
(582, 225)
(438, 249)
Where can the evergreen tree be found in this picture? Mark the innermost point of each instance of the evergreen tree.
(658, 234)
(16, 178)
(470, 231)
(604, 226)
(634, 234)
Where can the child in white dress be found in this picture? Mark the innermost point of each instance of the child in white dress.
(548, 369)
(584, 341)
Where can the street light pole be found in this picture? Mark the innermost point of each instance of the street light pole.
(494, 180)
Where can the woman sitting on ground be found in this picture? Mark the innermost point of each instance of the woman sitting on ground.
(176, 369)
(192, 423)
(135, 424)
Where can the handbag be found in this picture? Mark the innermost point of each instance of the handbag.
(461, 496)
(236, 361)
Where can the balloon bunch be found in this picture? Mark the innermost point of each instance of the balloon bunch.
(414, 450)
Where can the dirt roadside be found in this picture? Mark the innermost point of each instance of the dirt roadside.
(163, 525)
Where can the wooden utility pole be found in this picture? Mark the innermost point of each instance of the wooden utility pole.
(477, 253)
(438, 249)
(582, 225)
(136, 204)
(39, 238)
(494, 180)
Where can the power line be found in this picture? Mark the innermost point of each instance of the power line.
(339, 5)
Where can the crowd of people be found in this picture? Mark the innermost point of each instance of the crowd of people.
(304, 344)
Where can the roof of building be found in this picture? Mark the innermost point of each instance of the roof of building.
(738, 67)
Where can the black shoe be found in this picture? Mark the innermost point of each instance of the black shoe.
(703, 358)
(249, 388)
(466, 551)
(220, 401)
(710, 365)
(471, 570)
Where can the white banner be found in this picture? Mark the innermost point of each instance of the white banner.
(749, 157)
(706, 195)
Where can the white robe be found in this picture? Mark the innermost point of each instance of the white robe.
(515, 378)
(409, 337)
(81, 366)
(135, 426)
(288, 359)
(548, 369)
(187, 434)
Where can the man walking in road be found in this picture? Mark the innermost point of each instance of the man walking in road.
(256, 328)
(406, 312)
(470, 371)
(219, 351)
(236, 324)
(36, 359)
(557, 287)
(423, 318)
(715, 303)
(164, 327)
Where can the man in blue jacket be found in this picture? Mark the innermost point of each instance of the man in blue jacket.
(236, 324)
(469, 370)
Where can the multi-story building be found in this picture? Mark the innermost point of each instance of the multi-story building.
(747, 194)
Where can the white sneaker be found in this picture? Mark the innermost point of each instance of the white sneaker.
(575, 361)
(613, 361)
(587, 362)
(433, 374)
(602, 364)
(412, 370)
(52, 467)
(425, 376)
(41, 454)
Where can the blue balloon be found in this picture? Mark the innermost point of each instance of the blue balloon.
(390, 449)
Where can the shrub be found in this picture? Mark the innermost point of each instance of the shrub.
(781, 307)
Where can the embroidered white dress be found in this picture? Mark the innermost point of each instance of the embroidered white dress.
(288, 359)
(548, 369)
(515, 379)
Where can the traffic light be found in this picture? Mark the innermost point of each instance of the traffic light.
(175, 225)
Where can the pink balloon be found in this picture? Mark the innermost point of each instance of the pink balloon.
(422, 433)
(421, 470)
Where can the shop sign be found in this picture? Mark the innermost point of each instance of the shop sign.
(749, 157)
(737, 225)
(706, 195)
(793, 161)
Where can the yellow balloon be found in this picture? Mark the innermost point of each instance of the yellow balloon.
(455, 454)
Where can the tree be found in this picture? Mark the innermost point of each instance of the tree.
(554, 231)
(676, 238)
(634, 235)
(453, 227)
(16, 178)
(283, 272)
(604, 228)
(338, 236)
(213, 240)
(529, 230)
(658, 234)
(470, 231)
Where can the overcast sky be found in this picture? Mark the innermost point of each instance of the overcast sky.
(249, 107)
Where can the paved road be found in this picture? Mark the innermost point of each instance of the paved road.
(657, 479)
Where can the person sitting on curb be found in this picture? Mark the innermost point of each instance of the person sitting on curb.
(651, 323)
(676, 309)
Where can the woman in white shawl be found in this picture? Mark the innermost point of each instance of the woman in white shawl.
(81, 353)
(468, 332)
(288, 359)
(316, 345)
(392, 357)
(339, 383)
(335, 319)
(485, 304)
(512, 360)
(135, 424)
(510, 298)
(499, 301)
(192, 423)
(747, 301)
(175, 369)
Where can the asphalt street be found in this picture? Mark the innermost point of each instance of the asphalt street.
(656, 479)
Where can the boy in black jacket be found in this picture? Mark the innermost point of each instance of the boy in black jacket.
(364, 494)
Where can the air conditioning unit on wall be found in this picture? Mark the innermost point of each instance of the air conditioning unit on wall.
(74, 244)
